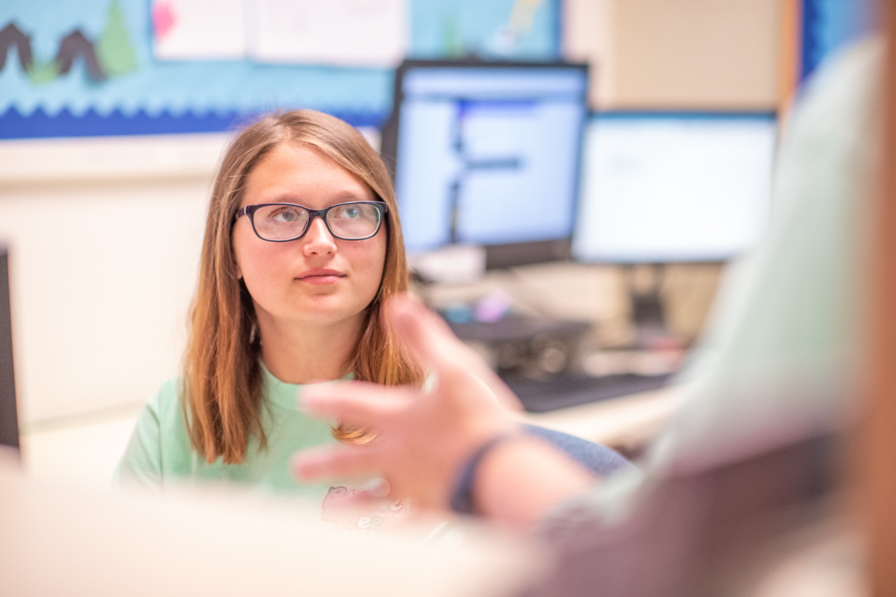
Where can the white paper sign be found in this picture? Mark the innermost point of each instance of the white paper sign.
(334, 32)
(199, 29)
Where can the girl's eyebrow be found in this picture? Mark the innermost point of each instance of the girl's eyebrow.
(341, 197)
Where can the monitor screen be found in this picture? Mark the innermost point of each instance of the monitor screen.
(674, 187)
(487, 153)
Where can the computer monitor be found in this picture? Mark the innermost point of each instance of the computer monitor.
(9, 421)
(487, 153)
(674, 187)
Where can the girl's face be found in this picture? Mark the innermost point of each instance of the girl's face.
(316, 280)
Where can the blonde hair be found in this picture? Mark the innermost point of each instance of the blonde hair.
(222, 373)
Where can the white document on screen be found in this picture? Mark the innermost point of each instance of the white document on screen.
(198, 29)
(335, 32)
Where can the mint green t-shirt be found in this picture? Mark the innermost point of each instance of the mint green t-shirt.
(159, 452)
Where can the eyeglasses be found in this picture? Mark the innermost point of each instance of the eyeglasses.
(283, 222)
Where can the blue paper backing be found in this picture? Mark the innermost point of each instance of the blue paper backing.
(828, 25)
(204, 96)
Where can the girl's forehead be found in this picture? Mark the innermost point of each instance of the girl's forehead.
(293, 169)
(291, 157)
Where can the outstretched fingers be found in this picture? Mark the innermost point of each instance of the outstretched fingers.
(355, 403)
(335, 462)
(427, 335)
(422, 330)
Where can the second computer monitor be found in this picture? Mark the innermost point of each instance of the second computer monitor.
(487, 153)
(674, 187)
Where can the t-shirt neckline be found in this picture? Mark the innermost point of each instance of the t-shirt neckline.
(282, 393)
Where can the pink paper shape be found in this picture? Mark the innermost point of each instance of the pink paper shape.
(164, 17)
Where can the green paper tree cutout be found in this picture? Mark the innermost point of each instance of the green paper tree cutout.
(452, 40)
(114, 50)
(41, 73)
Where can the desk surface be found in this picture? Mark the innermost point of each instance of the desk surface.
(623, 423)
(86, 452)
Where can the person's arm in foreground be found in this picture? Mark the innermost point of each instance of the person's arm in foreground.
(424, 439)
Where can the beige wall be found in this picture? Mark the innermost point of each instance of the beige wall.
(588, 36)
(690, 54)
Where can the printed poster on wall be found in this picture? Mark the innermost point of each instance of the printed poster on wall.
(198, 29)
(335, 32)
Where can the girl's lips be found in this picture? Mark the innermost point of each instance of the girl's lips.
(328, 279)
(320, 276)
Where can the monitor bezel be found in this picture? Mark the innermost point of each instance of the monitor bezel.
(672, 113)
(508, 254)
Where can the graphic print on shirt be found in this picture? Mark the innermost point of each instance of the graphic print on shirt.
(356, 522)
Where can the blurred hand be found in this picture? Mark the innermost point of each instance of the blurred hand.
(422, 439)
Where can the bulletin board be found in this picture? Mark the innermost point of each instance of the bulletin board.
(92, 67)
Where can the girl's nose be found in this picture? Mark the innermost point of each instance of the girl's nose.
(318, 240)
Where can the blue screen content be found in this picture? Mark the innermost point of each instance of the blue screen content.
(488, 156)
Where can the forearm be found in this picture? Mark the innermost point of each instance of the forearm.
(519, 481)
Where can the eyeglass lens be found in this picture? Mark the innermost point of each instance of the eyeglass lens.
(347, 221)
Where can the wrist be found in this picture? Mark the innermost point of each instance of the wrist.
(462, 498)
(517, 484)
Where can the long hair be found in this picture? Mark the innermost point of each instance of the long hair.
(222, 381)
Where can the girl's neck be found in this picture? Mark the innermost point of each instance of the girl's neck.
(300, 354)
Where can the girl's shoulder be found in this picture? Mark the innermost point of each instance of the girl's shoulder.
(166, 405)
(159, 438)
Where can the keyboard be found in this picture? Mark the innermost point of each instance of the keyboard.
(562, 391)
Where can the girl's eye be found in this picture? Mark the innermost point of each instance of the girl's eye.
(348, 212)
(285, 215)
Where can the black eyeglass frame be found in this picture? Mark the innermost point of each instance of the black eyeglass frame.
(250, 210)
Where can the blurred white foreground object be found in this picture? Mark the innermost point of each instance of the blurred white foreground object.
(58, 540)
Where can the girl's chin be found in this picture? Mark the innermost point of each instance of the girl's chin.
(323, 316)
(314, 312)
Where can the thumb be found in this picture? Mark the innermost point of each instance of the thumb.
(428, 336)
(424, 333)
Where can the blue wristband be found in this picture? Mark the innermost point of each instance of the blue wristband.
(462, 497)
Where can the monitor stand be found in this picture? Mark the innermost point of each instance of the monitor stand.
(644, 284)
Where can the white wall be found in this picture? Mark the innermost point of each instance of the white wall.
(104, 238)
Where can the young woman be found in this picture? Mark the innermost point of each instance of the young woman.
(302, 245)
